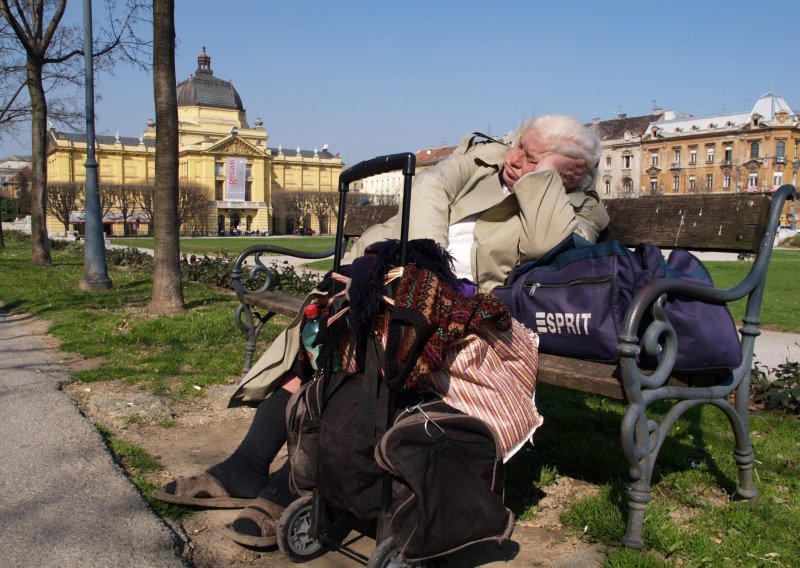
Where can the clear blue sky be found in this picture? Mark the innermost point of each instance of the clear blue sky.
(376, 77)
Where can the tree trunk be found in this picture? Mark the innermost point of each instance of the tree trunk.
(40, 245)
(167, 284)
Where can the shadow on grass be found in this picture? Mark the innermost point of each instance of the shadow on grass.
(581, 439)
(11, 307)
(209, 301)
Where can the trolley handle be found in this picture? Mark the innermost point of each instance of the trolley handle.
(406, 162)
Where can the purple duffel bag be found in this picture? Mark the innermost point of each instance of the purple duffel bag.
(576, 297)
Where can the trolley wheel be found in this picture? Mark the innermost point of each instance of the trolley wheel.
(387, 555)
(294, 539)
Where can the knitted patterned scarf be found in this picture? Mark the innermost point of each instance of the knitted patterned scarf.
(428, 317)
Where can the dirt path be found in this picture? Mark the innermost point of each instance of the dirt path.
(189, 436)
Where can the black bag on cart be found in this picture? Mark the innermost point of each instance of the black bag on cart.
(450, 469)
(333, 427)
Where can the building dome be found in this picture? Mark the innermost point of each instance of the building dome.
(203, 89)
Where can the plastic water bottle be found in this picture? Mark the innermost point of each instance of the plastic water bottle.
(309, 333)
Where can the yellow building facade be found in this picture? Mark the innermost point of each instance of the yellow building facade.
(218, 151)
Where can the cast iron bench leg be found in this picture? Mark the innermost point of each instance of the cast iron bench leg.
(251, 325)
(637, 434)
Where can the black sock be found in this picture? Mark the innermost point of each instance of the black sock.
(246, 471)
(277, 491)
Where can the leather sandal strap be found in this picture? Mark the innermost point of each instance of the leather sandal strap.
(201, 484)
(264, 514)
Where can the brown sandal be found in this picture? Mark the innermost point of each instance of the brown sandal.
(265, 515)
(201, 490)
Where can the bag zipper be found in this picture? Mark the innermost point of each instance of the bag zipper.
(533, 286)
(412, 419)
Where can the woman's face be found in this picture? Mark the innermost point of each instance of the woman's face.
(523, 158)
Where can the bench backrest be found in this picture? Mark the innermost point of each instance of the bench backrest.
(729, 222)
(733, 222)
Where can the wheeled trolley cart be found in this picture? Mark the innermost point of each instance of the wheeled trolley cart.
(358, 440)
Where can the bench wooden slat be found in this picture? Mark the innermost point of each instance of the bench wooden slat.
(734, 223)
(277, 302)
(585, 376)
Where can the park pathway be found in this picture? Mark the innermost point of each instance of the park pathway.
(63, 500)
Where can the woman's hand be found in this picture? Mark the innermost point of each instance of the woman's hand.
(570, 169)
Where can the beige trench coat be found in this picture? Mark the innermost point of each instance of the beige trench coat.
(511, 228)
(537, 216)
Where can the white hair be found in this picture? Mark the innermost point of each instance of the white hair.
(566, 135)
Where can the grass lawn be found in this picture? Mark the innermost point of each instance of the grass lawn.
(779, 308)
(171, 355)
(232, 246)
(692, 520)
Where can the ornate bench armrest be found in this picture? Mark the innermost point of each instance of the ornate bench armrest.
(250, 266)
(659, 338)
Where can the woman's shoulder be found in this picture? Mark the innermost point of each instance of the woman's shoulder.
(482, 147)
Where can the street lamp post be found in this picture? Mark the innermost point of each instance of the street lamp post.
(795, 168)
(95, 274)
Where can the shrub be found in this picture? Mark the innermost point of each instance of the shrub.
(16, 236)
(131, 258)
(213, 271)
(59, 245)
(782, 392)
(286, 279)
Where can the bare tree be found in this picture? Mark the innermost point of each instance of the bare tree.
(62, 200)
(125, 198)
(50, 53)
(293, 204)
(23, 179)
(194, 205)
(322, 206)
(167, 283)
(107, 201)
(144, 195)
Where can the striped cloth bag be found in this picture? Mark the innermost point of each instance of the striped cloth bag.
(491, 375)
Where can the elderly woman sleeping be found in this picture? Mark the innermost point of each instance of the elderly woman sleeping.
(491, 205)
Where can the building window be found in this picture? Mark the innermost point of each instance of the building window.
(626, 161)
(709, 181)
(627, 185)
(653, 184)
(608, 186)
(676, 157)
(692, 182)
(752, 181)
(726, 181)
(608, 162)
(654, 158)
(780, 149)
(248, 190)
(248, 170)
(728, 154)
(676, 183)
(778, 180)
(693, 155)
(710, 155)
(754, 149)
(219, 169)
(218, 190)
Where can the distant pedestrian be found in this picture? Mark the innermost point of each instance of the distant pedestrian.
(193, 260)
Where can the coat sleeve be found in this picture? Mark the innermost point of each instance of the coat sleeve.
(433, 192)
(548, 214)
